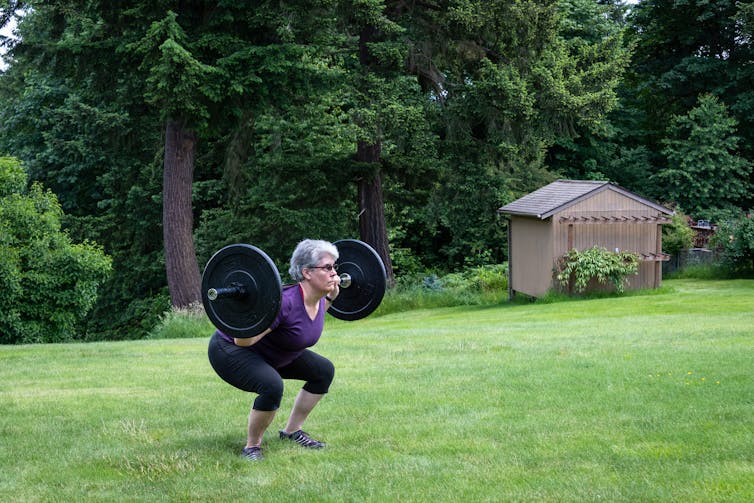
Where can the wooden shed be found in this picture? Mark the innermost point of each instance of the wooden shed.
(547, 223)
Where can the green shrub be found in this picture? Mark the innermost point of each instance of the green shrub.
(182, 324)
(677, 235)
(736, 240)
(579, 268)
(49, 284)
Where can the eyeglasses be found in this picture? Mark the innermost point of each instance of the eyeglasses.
(327, 267)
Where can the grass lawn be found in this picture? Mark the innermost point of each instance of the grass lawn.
(636, 398)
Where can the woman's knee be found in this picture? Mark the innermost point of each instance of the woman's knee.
(328, 371)
(269, 391)
(320, 384)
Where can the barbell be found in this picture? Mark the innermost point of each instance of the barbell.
(242, 291)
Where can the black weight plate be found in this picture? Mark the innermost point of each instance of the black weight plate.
(251, 314)
(368, 280)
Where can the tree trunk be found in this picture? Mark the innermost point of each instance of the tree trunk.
(372, 228)
(184, 280)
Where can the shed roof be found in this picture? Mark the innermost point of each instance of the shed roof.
(559, 195)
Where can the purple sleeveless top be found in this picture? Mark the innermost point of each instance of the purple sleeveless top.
(292, 331)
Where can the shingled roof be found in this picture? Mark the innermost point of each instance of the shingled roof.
(559, 195)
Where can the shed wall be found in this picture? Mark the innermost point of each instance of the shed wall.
(625, 237)
(639, 238)
(612, 202)
(531, 255)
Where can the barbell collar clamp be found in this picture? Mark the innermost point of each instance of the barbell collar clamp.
(345, 280)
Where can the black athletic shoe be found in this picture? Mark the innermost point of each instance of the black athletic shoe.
(252, 453)
(302, 438)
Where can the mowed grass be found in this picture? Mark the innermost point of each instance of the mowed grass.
(636, 398)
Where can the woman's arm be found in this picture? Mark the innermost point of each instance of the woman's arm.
(250, 341)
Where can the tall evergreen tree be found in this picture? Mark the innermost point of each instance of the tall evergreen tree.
(595, 150)
(685, 49)
(704, 171)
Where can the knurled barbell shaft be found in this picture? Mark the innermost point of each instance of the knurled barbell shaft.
(236, 291)
(233, 291)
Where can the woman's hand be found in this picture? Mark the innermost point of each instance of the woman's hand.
(335, 290)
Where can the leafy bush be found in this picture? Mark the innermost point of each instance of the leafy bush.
(579, 268)
(49, 283)
(736, 239)
(677, 235)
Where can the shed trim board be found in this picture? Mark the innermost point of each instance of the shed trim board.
(614, 220)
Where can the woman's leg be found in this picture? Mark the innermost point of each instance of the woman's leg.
(248, 371)
(318, 372)
(259, 421)
(302, 406)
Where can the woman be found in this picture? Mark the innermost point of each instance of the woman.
(259, 364)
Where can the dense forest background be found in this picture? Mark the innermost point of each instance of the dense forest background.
(168, 129)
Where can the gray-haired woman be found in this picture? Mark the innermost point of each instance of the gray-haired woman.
(260, 364)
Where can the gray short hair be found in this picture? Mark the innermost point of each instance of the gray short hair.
(308, 253)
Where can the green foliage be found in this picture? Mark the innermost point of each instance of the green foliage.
(49, 284)
(463, 207)
(478, 279)
(736, 239)
(177, 82)
(592, 33)
(685, 50)
(182, 324)
(677, 235)
(481, 285)
(12, 177)
(704, 170)
(579, 268)
(301, 199)
(681, 50)
(72, 108)
(405, 262)
(518, 76)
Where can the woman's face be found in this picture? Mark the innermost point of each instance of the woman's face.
(323, 276)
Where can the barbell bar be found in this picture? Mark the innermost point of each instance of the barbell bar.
(242, 291)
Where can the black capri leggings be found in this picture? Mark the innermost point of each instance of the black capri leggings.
(248, 371)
